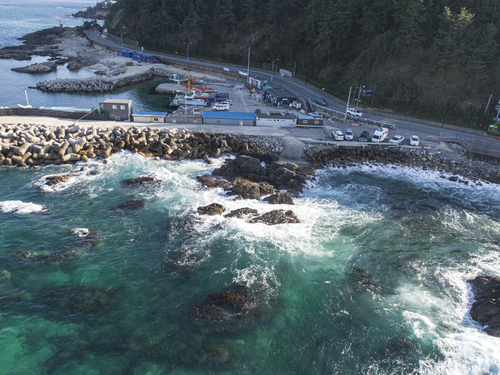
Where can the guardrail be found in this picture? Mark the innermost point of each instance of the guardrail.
(476, 146)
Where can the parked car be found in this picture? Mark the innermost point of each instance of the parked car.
(354, 112)
(348, 135)
(397, 139)
(380, 135)
(338, 135)
(414, 141)
(321, 101)
(228, 101)
(221, 107)
(364, 137)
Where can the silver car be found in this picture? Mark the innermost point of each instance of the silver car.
(348, 135)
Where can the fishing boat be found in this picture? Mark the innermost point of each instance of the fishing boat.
(203, 89)
(176, 79)
(189, 100)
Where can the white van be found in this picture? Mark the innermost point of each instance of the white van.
(380, 135)
(221, 107)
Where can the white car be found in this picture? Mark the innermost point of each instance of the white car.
(354, 112)
(379, 135)
(221, 107)
(228, 101)
(348, 135)
(338, 135)
(414, 141)
(315, 114)
(397, 139)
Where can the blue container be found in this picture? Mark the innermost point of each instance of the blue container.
(211, 99)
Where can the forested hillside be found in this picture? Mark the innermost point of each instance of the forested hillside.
(429, 58)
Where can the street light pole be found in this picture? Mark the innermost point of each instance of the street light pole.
(347, 106)
(187, 50)
(272, 67)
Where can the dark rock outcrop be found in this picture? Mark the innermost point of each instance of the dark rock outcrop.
(240, 212)
(214, 183)
(280, 198)
(282, 175)
(276, 217)
(45, 67)
(211, 209)
(140, 181)
(486, 308)
(54, 180)
(247, 189)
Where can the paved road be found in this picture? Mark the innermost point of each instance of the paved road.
(405, 127)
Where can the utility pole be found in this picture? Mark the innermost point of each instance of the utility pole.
(347, 106)
(248, 66)
(359, 96)
(373, 95)
(488, 104)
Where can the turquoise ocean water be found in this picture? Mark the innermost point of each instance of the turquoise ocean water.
(372, 281)
(20, 18)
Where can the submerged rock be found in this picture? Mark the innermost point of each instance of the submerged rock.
(276, 217)
(140, 181)
(211, 209)
(214, 355)
(400, 347)
(54, 257)
(22, 254)
(363, 278)
(130, 205)
(58, 256)
(4, 275)
(486, 309)
(232, 310)
(181, 259)
(89, 238)
(83, 298)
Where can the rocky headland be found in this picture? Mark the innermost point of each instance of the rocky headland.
(61, 44)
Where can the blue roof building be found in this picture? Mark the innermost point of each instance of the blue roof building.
(228, 118)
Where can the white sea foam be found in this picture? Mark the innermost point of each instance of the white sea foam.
(20, 207)
(80, 231)
(441, 318)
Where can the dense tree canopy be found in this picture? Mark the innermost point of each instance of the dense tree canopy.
(434, 55)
